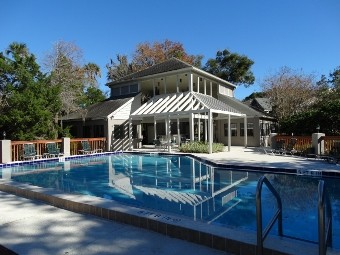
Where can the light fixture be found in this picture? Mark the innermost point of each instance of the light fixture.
(318, 128)
(4, 135)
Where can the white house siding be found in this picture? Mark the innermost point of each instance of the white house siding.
(121, 117)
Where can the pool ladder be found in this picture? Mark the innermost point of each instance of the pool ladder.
(324, 213)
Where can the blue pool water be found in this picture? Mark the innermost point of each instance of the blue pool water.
(183, 186)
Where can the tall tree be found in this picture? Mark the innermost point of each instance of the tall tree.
(31, 101)
(231, 67)
(65, 65)
(290, 92)
(147, 54)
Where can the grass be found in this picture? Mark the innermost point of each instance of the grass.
(200, 147)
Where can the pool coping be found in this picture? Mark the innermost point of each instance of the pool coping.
(217, 237)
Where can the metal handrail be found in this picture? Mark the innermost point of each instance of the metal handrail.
(325, 231)
(261, 235)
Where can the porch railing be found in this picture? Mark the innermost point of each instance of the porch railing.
(40, 146)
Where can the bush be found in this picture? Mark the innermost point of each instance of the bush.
(200, 147)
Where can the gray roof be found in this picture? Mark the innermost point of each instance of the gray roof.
(264, 103)
(166, 66)
(249, 111)
(99, 110)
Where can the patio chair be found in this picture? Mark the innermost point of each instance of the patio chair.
(29, 152)
(290, 150)
(53, 150)
(86, 148)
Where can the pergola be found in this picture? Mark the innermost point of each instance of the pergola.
(189, 105)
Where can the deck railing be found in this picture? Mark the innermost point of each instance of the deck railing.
(331, 144)
(40, 146)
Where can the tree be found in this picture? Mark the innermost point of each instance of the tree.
(290, 92)
(254, 95)
(146, 55)
(119, 69)
(31, 101)
(68, 73)
(231, 67)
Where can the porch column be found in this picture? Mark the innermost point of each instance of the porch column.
(190, 77)
(245, 131)
(177, 84)
(205, 128)
(198, 84)
(191, 127)
(130, 134)
(205, 86)
(178, 133)
(155, 128)
(164, 83)
(139, 135)
(229, 132)
(168, 133)
(199, 127)
(210, 88)
(210, 131)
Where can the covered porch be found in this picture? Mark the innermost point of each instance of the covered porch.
(196, 109)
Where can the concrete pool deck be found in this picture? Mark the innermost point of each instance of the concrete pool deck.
(32, 227)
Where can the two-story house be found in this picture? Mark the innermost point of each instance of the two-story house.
(172, 101)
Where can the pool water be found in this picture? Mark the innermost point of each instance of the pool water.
(183, 186)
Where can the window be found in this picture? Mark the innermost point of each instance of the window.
(98, 131)
(115, 91)
(233, 129)
(250, 129)
(125, 90)
(118, 131)
(86, 131)
(134, 131)
(265, 130)
(134, 88)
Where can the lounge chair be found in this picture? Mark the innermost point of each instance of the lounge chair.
(29, 152)
(86, 148)
(53, 150)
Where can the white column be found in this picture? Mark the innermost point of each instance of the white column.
(229, 133)
(210, 88)
(178, 133)
(205, 86)
(245, 131)
(164, 83)
(130, 134)
(177, 84)
(205, 128)
(198, 84)
(199, 127)
(155, 128)
(210, 131)
(191, 127)
(139, 135)
(190, 78)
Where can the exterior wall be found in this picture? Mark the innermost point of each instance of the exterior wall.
(238, 140)
(121, 118)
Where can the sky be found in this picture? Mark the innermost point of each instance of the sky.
(301, 34)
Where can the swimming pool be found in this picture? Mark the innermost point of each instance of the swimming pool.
(183, 186)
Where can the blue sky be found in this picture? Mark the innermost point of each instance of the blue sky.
(301, 34)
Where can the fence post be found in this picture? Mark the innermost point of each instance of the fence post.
(66, 146)
(318, 146)
(272, 138)
(5, 151)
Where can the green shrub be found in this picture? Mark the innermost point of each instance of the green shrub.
(200, 147)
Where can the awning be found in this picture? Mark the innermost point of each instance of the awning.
(183, 104)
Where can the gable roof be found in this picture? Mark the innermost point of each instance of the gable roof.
(99, 110)
(169, 65)
(166, 66)
(249, 111)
